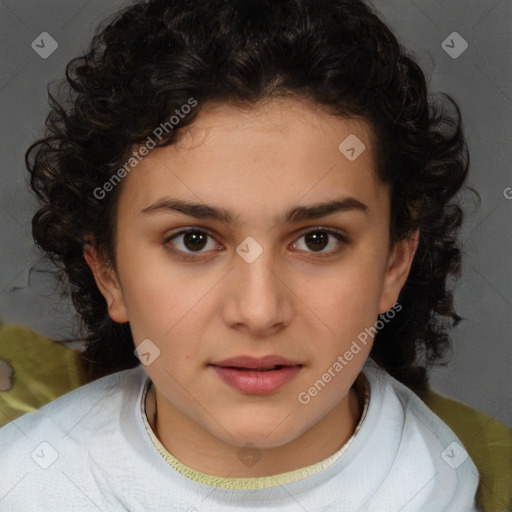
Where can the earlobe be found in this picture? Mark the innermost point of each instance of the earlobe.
(399, 266)
(107, 282)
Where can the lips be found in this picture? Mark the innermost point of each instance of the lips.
(256, 363)
(257, 376)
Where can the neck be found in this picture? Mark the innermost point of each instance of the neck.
(204, 453)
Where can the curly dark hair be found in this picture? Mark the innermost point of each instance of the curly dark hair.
(151, 57)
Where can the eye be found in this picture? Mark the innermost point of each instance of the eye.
(319, 238)
(189, 242)
(192, 241)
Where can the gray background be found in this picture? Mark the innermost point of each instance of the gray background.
(479, 79)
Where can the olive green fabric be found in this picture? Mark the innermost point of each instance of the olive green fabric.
(489, 444)
(44, 370)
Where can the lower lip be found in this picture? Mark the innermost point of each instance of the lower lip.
(257, 382)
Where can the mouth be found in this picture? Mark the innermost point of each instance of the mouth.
(276, 367)
(258, 376)
(268, 362)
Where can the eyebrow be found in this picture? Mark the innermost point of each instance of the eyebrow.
(204, 211)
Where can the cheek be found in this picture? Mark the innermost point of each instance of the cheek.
(347, 300)
(165, 305)
(154, 295)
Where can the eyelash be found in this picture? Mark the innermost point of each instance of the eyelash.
(194, 256)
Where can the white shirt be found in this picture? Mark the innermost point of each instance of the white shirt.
(91, 450)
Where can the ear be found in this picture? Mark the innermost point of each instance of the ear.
(399, 265)
(107, 282)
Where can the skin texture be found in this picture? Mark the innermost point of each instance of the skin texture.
(256, 162)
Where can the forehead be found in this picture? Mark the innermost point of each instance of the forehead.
(253, 158)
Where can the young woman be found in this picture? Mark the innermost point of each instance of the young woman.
(253, 203)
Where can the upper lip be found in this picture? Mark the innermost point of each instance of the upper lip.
(256, 362)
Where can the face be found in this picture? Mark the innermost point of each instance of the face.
(271, 273)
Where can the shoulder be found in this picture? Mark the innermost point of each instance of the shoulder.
(412, 409)
(425, 449)
(75, 405)
(60, 434)
(488, 442)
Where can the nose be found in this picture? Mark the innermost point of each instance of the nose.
(257, 298)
